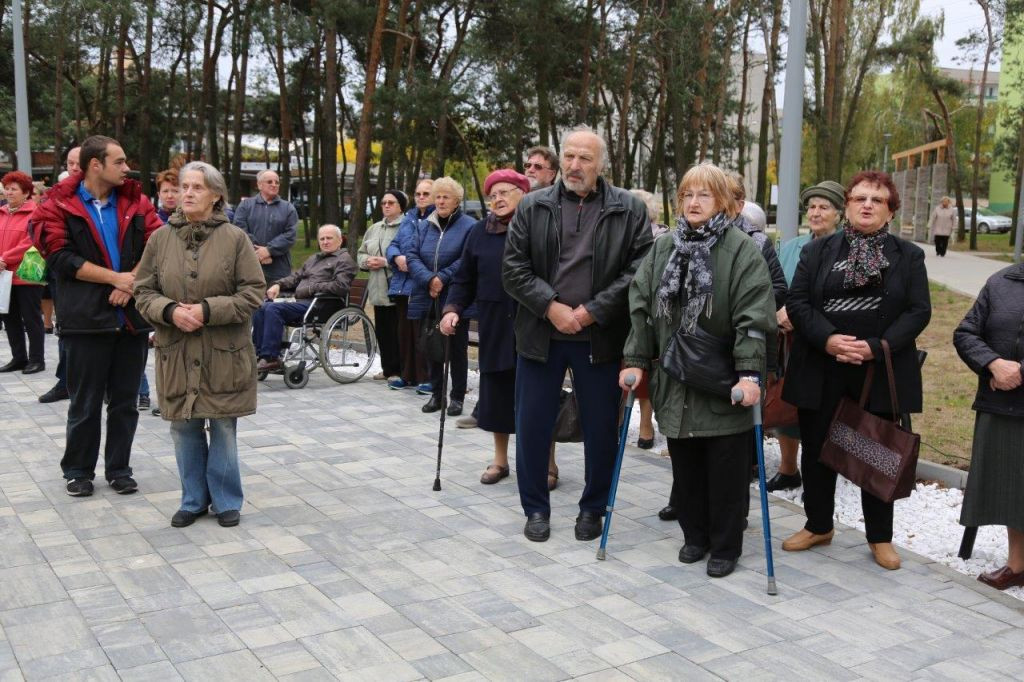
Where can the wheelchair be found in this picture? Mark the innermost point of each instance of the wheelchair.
(335, 334)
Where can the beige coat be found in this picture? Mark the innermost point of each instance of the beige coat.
(375, 243)
(943, 222)
(211, 372)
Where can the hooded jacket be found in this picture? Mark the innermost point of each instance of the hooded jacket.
(211, 372)
(64, 232)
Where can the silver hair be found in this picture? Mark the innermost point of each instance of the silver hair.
(212, 178)
(755, 215)
(652, 203)
(602, 145)
(259, 176)
(337, 230)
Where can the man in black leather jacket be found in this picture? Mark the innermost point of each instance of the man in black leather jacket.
(570, 255)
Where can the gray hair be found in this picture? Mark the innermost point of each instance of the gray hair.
(259, 176)
(335, 228)
(212, 178)
(601, 144)
(755, 215)
(652, 203)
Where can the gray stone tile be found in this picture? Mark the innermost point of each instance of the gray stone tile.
(344, 651)
(237, 665)
(513, 662)
(22, 586)
(190, 632)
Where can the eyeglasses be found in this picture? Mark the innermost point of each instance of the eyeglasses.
(535, 166)
(423, 194)
(702, 197)
(501, 194)
(388, 202)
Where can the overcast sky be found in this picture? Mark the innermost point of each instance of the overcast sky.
(962, 16)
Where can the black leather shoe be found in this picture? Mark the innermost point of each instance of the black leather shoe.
(645, 443)
(184, 518)
(433, 405)
(228, 518)
(14, 366)
(588, 525)
(125, 485)
(668, 513)
(34, 368)
(691, 554)
(454, 408)
(55, 394)
(781, 481)
(538, 527)
(719, 568)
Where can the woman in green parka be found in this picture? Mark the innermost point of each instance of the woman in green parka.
(706, 273)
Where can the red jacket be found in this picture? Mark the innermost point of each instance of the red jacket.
(65, 233)
(15, 239)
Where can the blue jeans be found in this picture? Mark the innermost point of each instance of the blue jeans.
(209, 471)
(268, 326)
(538, 387)
(144, 384)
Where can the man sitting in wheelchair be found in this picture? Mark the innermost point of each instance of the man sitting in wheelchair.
(329, 272)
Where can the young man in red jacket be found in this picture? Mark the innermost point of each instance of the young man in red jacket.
(92, 229)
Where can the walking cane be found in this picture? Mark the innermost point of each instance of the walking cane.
(623, 435)
(766, 525)
(444, 410)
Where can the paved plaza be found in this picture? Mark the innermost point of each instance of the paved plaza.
(347, 565)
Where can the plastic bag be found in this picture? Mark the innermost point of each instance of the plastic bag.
(6, 279)
(33, 267)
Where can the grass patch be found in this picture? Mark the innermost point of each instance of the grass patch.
(989, 243)
(947, 423)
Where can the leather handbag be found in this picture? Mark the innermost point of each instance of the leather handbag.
(567, 423)
(877, 454)
(431, 339)
(700, 360)
(777, 412)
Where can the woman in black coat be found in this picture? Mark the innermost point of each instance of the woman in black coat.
(479, 279)
(851, 290)
(990, 340)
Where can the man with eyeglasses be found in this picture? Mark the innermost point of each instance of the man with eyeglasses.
(413, 363)
(271, 223)
(541, 167)
(570, 255)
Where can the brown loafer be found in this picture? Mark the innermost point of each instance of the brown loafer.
(493, 474)
(885, 555)
(804, 539)
(1002, 578)
(265, 365)
(552, 478)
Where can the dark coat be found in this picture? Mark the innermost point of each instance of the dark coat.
(771, 258)
(904, 313)
(435, 252)
(479, 280)
(992, 329)
(621, 239)
(66, 235)
(401, 283)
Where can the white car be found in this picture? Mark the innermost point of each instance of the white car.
(988, 221)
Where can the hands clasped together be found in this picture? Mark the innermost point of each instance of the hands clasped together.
(846, 348)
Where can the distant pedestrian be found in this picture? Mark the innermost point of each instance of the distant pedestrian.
(851, 290)
(371, 258)
(199, 283)
(942, 225)
(541, 167)
(271, 224)
(92, 228)
(168, 193)
(24, 315)
(989, 341)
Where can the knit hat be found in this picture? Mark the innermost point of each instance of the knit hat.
(829, 190)
(403, 198)
(508, 175)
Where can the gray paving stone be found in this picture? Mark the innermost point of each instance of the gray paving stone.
(237, 665)
(190, 632)
(22, 586)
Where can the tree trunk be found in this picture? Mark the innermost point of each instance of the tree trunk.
(119, 101)
(58, 114)
(284, 155)
(584, 98)
(239, 116)
(357, 222)
(979, 122)
(741, 133)
(329, 132)
(627, 91)
(145, 71)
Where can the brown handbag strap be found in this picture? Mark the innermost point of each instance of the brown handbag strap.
(887, 352)
(869, 378)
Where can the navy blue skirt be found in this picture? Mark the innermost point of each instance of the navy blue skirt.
(497, 403)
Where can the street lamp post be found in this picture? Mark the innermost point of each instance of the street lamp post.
(788, 219)
(20, 91)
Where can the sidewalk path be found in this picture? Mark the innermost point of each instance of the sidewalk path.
(960, 271)
(346, 565)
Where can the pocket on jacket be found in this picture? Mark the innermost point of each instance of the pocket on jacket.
(230, 368)
(171, 373)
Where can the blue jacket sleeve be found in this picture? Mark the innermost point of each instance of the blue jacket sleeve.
(398, 245)
(418, 270)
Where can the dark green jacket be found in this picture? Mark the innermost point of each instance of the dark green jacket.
(742, 301)
(621, 238)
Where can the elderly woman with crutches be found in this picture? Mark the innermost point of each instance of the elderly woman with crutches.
(701, 306)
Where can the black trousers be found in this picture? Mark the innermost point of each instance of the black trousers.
(102, 365)
(941, 243)
(385, 323)
(414, 365)
(711, 486)
(25, 316)
(819, 479)
(458, 354)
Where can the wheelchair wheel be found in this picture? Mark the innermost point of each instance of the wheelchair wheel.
(348, 345)
(261, 376)
(296, 377)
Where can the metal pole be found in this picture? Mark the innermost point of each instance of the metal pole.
(1020, 224)
(20, 91)
(792, 122)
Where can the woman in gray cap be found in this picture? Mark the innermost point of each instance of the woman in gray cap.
(823, 204)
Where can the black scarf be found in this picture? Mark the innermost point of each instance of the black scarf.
(693, 250)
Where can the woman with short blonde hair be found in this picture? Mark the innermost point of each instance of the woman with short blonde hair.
(712, 180)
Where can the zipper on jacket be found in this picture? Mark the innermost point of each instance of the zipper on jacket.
(437, 249)
(579, 214)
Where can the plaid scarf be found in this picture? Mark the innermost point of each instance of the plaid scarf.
(866, 260)
(693, 250)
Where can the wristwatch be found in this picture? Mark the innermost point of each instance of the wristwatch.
(750, 377)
